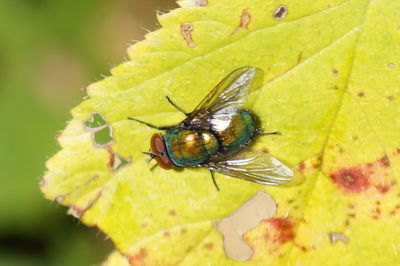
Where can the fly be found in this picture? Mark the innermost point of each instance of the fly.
(217, 133)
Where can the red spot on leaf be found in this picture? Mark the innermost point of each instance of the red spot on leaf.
(284, 228)
(301, 167)
(351, 180)
(137, 259)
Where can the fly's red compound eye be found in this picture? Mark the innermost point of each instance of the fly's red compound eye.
(158, 148)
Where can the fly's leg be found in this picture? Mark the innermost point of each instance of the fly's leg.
(213, 179)
(268, 133)
(176, 106)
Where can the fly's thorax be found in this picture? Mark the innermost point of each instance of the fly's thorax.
(239, 133)
(190, 147)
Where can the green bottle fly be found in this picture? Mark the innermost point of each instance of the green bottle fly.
(216, 132)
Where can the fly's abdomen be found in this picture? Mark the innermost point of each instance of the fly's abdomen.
(238, 133)
(188, 147)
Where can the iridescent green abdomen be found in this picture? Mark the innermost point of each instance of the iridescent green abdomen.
(189, 147)
(239, 133)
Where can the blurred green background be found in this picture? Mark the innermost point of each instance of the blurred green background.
(49, 51)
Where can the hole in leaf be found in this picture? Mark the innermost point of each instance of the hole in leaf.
(280, 12)
(103, 137)
(96, 121)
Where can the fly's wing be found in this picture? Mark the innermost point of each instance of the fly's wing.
(216, 110)
(254, 166)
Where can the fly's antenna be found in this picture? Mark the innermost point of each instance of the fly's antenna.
(152, 156)
(176, 106)
(150, 125)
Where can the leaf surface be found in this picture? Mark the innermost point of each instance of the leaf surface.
(331, 88)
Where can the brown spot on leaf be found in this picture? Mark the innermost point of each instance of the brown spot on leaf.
(245, 19)
(361, 94)
(209, 246)
(383, 189)
(167, 234)
(265, 150)
(261, 206)
(77, 212)
(60, 199)
(284, 226)
(335, 72)
(301, 247)
(183, 231)
(391, 65)
(299, 57)
(172, 213)
(390, 98)
(334, 237)
(352, 215)
(384, 161)
(138, 258)
(116, 161)
(201, 2)
(352, 180)
(280, 12)
(186, 31)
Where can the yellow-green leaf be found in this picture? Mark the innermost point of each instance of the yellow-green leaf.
(332, 88)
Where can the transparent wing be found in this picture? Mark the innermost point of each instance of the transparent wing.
(216, 110)
(254, 166)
